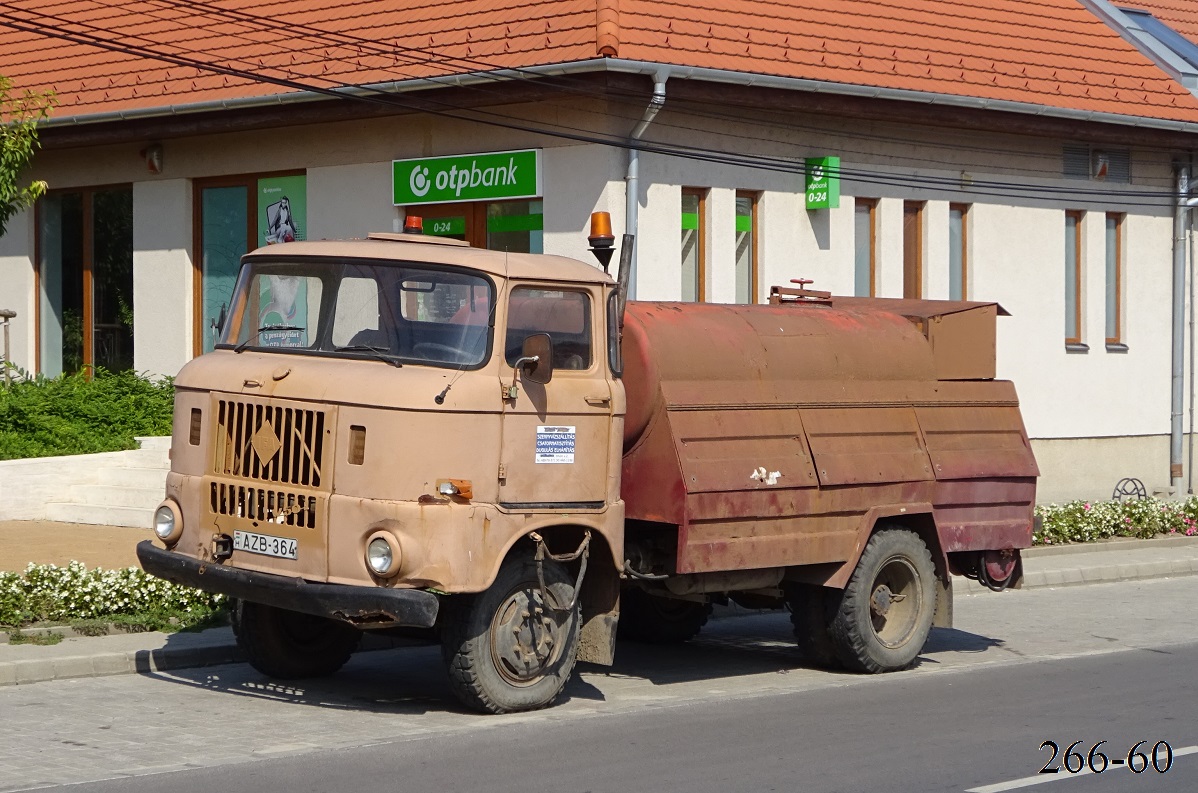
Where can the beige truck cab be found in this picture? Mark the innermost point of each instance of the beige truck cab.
(404, 432)
(381, 424)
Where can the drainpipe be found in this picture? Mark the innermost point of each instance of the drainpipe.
(1180, 214)
(633, 178)
(1190, 203)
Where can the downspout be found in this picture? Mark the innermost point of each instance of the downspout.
(1180, 213)
(632, 179)
(1190, 203)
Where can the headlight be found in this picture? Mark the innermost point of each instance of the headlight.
(168, 524)
(383, 556)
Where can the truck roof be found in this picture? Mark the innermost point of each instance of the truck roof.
(436, 250)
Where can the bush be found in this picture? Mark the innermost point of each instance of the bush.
(49, 593)
(1083, 521)
(81, 414)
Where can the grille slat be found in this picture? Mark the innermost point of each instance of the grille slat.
(298, 444)
(263, 505)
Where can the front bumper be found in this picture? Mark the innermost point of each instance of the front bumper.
(359, 605)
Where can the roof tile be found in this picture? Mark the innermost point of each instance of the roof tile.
(1049, 52)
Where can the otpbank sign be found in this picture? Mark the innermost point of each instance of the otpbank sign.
(468, 177)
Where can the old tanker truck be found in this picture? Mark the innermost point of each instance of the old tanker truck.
(406, 432)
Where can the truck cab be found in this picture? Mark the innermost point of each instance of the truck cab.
(381, 423)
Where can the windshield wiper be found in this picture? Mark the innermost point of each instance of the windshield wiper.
(376, 352)
(260, 331)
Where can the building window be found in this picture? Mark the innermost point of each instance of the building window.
(958, 252)
(865, 211)
(1114, 281)
(85, 280)
(694, 244)
(913, 249)
(1073, 280)
(512, 226)
(746, 247)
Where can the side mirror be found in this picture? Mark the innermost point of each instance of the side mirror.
(536, 358)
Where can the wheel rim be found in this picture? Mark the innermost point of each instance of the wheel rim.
(895, 602)
(527, 637)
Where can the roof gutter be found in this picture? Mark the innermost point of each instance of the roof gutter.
(625, 66)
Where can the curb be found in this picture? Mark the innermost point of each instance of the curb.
(217, 645)
(206, 651)
(1100, 574)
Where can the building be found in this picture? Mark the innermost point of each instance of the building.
(1022, 153)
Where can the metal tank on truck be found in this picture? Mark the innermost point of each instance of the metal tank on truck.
(494, 447)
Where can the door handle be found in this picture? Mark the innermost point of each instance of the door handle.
(598, 401)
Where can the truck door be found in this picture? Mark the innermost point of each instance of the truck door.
(556, 436)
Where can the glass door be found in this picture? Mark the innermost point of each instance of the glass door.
(235, 215)
(225, 228)
(85, 281)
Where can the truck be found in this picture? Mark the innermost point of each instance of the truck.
(405, 433)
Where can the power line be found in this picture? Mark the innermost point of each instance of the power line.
(103, 40)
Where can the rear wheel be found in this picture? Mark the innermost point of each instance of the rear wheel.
(812, 609)
(289, 645)
(659, 620)
(885, 615)
(509, 648)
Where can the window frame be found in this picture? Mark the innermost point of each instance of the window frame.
(913, 249)
(753, 198)
(963, 251)
(1114, 291)
(1073, 281)
(87, 266)
(871, 205)
(701, 243)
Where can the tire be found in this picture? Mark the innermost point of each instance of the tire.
(502, 655)
(874, 629)
(812, 609)
(653, 619)
(291, 646)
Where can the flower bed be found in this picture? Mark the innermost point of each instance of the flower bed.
(53, 594)
(1085, 521)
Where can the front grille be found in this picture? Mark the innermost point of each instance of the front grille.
(260, 504)
(269, 443)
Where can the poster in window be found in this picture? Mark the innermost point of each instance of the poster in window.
(282, 218)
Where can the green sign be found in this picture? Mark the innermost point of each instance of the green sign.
(445, 227)
(470, 177)
(823, 183)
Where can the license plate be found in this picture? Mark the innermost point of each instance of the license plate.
(265, 544)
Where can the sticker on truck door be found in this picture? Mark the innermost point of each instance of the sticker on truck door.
(555, 444)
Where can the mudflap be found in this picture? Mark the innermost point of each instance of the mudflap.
(600, 614)
(943, 618)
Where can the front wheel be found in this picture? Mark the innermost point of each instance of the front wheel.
(509, 648)
(289, 645)
(886, 611)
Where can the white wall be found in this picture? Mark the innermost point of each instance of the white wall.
(17, 286)
(162, 276)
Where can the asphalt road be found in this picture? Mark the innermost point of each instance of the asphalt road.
(735, 712)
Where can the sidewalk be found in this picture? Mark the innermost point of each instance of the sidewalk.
(106, 546)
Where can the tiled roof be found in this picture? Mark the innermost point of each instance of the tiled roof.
(1046, 52)
(1181, 15)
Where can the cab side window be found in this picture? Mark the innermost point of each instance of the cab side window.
(564, 315)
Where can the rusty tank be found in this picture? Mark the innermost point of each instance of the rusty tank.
(781, 435)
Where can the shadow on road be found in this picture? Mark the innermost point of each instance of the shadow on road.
(409, 680)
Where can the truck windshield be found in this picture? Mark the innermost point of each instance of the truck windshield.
(399, 312)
